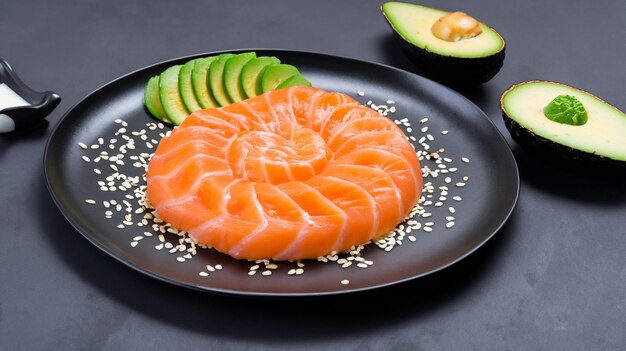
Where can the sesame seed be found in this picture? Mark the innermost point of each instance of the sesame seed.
(451, 209)
(449, 225)
(86, 159)
(465, 159)
(266, 273)
(360, 93)
(90, 201)
(428, 229)
(134, 243)
(82, 146)
(444, 132)
(180, 259)
(203, 274)
(457, 198)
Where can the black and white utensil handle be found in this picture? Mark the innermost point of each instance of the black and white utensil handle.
(26, 114)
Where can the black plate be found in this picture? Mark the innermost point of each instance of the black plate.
(488, 198)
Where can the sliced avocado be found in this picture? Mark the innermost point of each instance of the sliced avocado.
(464, 62)
(186, 88)
(199, 83)
(294, 81)
(232, 75)
(152, 100)
(252, 73)
(170, 96)
(275, 74)
(599, 141)
(216, 80)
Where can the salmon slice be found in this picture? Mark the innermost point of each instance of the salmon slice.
(301, 100)
(322, 106)
(183, 135)
(358, 205)
(325, 222)
(166, 162)
(397, 167)
(343, 114)
(240, 217)
(359, 126)
(187, 213)
(184, 179)
(215, 121)
(379, 186)
(284, 219)
(292, 174)
(378, 139)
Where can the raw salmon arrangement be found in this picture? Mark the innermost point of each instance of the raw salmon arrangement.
(291, 174)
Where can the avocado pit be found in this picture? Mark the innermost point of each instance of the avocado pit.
(456, 26)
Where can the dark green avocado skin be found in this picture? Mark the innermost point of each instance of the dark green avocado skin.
(455, 71)
(553, 151)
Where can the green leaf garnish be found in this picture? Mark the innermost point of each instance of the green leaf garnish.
(566, 109)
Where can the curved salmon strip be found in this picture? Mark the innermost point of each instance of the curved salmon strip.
(291, 174)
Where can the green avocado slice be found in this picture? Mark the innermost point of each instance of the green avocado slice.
(199, 81)
(152, 100)
(232, 75)
(170, 96)
(599, 141)
(252, 73)
(274, 75)
(186, 88)
(216, 80)
(294, 81)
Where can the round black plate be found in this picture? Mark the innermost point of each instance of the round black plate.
(488, 198)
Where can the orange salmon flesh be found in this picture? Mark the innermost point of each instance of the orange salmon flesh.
(292, 174)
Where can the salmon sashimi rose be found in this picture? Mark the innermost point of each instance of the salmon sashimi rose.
(291, 174)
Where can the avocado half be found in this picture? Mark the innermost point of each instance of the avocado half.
(599, 142)
(465, 62)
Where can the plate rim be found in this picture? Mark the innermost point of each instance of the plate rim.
(259, 294)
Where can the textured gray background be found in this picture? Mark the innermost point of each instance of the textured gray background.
(553, 279)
